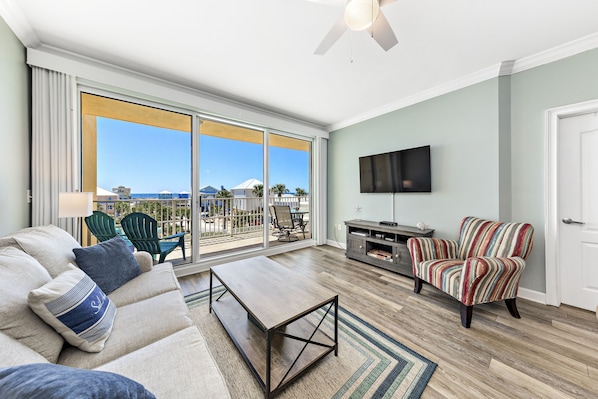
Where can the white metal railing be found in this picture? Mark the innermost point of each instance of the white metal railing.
(217, 216)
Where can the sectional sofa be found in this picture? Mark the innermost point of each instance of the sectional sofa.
(151, 340)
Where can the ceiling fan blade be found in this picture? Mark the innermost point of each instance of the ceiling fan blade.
(331, 2)
(332, 36)
(383, 3)
(382, 32)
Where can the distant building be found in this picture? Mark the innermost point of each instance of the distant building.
(207, 193)
(124, 193)
(165, 195)
(244, 198)
(109, 197)
(184, 195)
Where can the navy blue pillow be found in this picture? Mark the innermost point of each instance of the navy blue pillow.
(110, 263)
(53, 381)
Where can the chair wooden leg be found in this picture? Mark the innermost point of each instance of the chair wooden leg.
(512, 306)
(466, 314)
(417, 284)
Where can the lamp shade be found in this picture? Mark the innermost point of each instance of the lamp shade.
(361, 14)
(74, 204)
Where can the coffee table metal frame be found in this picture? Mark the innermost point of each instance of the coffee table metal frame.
(231, 310)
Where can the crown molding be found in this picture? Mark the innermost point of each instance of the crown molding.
(105, 76)
(15, 19)
(465, 81)
(569, 49)
(505, 68)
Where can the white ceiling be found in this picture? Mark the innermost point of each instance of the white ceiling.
(260, 52)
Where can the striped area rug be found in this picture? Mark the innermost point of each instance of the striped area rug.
(370, 364)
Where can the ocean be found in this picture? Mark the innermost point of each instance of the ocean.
(156, 196)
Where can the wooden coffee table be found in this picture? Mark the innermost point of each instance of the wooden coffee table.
(267, 315)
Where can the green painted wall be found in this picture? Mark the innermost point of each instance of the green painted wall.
(462, 129)
(14, 132)
(568, 81)
(487, 154)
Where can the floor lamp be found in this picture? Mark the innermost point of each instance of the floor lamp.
(75, 205)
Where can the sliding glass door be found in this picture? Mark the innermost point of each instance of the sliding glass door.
(290, 181)
(216, 181)
(231, 176)
(137, 158)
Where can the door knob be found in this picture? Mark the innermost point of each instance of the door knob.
(571, 221)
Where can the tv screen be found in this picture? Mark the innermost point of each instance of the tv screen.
(395, 172)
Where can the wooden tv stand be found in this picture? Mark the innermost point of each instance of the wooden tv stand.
(381, 245)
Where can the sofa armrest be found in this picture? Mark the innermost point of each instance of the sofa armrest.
(487, 279)
(145, 260)
(424, 248)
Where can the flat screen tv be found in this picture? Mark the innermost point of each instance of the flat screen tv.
(396, 172)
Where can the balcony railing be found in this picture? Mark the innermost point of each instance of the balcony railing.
(218, 217)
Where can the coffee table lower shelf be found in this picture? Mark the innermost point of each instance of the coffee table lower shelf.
(289, 356)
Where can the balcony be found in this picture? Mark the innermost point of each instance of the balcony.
(225, 224)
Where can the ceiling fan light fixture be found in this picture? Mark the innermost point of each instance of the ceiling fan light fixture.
(361, 14)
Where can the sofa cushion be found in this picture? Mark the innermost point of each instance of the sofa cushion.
(15, 353)
(135, 326)
(50, 245)
(52, 381)
(19, 274)
(187, 368)
(157, 281)
(145, 260)
(110, 263)
(76, 307)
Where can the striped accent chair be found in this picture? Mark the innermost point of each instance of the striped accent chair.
(484, 265)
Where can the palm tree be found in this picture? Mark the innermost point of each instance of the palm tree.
(224, 193)
(122, 209)
(299, 192)
(279, 189)
(258, 190)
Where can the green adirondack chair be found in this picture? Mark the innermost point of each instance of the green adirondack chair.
(101, 226)
(142, 231)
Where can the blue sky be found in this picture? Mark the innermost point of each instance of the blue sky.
(149, 160)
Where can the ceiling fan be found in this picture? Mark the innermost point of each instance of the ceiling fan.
(360, 15)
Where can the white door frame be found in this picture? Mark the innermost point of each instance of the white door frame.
(551, 167)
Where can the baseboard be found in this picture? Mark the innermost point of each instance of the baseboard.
(524, 293)
(336, 244)
(532, 295)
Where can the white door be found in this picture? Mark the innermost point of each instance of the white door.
(578, 210)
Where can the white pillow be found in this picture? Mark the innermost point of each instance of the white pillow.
(76, 308)
(19, 274)
(49, 245)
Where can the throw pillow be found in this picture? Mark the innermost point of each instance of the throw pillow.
(50, 245)
(76, 308)
(19, 274)
(110, 263)
(53, 381)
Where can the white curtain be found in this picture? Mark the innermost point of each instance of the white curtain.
(55, 147)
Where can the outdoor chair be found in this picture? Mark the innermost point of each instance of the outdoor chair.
(142, 231)
(284, 223)
(484, 265)
(101, 225)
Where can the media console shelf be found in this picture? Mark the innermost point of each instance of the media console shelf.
(382, 245)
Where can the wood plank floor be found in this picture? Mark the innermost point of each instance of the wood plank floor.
(549, 353)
